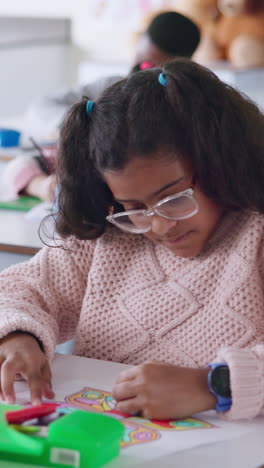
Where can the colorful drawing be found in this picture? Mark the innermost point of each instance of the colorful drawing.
(138, 430)
(175, 425)
(138, 433)
(97, 400)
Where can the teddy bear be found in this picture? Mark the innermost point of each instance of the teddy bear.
(203, 12)
(206, 14)
(237, 35)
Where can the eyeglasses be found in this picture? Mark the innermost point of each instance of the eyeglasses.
(175, 207)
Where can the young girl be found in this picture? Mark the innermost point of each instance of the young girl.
(161, 211)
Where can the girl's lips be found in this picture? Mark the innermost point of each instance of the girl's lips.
(177, 240)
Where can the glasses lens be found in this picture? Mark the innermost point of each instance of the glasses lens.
(134, 222)
(178, 207)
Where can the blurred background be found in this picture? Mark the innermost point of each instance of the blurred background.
(56, 44)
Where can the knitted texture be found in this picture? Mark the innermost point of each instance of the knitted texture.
(129, 300)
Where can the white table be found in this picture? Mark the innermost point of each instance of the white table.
(242, 452)
(18, 234)
(19, 238)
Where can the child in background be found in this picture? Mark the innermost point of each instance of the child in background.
(169, 35)
(32, 175)
(161, 210)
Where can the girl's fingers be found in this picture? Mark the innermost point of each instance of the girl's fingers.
(130, 406)
(8, 373)
(1, 393)
(47, 391)
(36, 384)
(123, 391)
(38, 378)
(47, 386)
(20, 354)
(46, 372)
(39, 382)
(128, 374)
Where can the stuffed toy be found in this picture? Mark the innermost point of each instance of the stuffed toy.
(203, 12)
(206, 14)
(238, 34)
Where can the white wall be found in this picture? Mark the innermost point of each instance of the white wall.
(85, 34)
(35, 56)
(104, 38)
(108, 40)
(29, 73)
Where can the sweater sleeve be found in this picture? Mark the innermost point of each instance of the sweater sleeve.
(246, 379)
(44, 296)
(247, 364)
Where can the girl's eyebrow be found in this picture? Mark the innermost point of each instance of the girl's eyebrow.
(170, 184)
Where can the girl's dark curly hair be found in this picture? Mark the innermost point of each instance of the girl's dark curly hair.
(196, 116)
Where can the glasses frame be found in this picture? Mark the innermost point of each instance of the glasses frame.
(154, 210)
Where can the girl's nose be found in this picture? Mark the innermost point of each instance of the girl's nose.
(161, 225)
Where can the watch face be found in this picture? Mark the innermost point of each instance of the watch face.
(220, 381)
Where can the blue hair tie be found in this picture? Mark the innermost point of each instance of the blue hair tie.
(162, 79)
(89, 106)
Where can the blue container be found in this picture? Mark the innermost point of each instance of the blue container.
(9, 138)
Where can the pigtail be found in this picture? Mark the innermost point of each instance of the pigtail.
(84, 198)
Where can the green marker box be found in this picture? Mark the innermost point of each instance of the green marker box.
(77, 440)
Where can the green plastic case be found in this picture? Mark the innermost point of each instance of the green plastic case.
(79, 439)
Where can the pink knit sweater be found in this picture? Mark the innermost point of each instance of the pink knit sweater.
(126, 299)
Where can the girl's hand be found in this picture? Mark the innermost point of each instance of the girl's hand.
(20, 353)
(163, 391)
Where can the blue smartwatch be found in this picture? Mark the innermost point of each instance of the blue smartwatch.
(219, 385)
